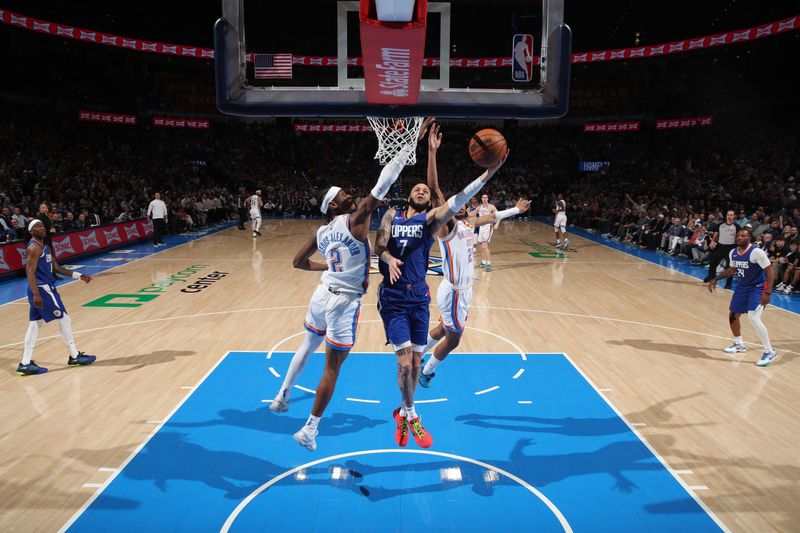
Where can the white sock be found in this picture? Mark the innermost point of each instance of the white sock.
(30, 341)
(310, 343)
(65, 327)
(402, 411)
(558, 241)
(761, 329)
(430, 366)
(411, 414)
(312, 422)
(738, 340)
(431, 343)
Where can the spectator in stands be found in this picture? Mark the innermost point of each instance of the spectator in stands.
(69, 222)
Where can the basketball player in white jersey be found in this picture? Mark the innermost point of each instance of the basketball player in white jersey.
(455, 244)
(560, 222)
(335, 305)
(485, 233)
(255, 203)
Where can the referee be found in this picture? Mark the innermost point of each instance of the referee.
(722, 242)
(157, 212)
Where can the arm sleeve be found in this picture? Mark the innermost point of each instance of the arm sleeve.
(500, 215)
(390, 173)
(759, 257)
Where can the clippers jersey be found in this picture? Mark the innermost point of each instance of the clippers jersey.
(749, 266)
(410, 242)
(346, 256)
(457, 259)
(44, 268)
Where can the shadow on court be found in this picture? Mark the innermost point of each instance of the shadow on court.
(540, 470)
(683, 350)
(171, 456)
(262, 419)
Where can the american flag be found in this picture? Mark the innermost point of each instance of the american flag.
(273, 66)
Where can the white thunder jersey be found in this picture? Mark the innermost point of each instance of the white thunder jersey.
(254, 205)
(347, 257)
(457, 261)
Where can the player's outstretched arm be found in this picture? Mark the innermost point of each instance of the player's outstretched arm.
(58, 269)
(303, 258)
(497, 216)
(388, 176)
(439, 216)
(434, 142)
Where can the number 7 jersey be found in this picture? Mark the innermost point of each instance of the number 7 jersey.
(410, 242)
(346, 256)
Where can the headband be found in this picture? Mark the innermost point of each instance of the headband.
(33, 223)
(329, 196)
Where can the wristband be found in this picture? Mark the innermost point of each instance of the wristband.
(76, 275)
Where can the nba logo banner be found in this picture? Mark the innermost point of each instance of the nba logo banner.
(522, 57)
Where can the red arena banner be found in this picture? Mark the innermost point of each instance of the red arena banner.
(675, 47)
(12, 255)
(315, 127)
(108, 118)
(603, 127)
(689, 122)
(167, 122)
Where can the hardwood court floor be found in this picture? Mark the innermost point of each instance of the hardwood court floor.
(650, 336)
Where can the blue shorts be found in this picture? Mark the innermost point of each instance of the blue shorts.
(746, 298)
(52, 306)
(406, 315)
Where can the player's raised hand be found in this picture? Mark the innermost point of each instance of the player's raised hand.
(434, 139)
(522, 205)
(394, 270)
(85, 278)
(492, 170)
(424, 128)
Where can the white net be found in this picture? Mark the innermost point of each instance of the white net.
(393, 134)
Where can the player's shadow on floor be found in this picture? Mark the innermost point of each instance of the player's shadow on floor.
(537, 468)
(172, 456)
(657, 416)
(262, 419)
(694, 282)
(683, 350)
(136, 362)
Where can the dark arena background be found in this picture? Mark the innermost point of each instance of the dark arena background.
(623, 328)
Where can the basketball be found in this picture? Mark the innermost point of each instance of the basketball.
(487, 147)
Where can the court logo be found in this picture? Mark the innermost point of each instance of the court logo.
(89, 241)
(146, 294)
(131, 231)
(63, 246)
(112, 236)
(522, 57)
(544, 252)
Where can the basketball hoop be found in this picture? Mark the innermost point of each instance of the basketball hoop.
(394, 134)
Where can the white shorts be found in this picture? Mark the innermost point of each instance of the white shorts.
(335, 316)
(255, 214)
(485, 234)
(561, 221)
(453, 306)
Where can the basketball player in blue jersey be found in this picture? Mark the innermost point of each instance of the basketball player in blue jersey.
(755, 274)
(404, 240)
(45, 302)
(455, 244)
(335, 306)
